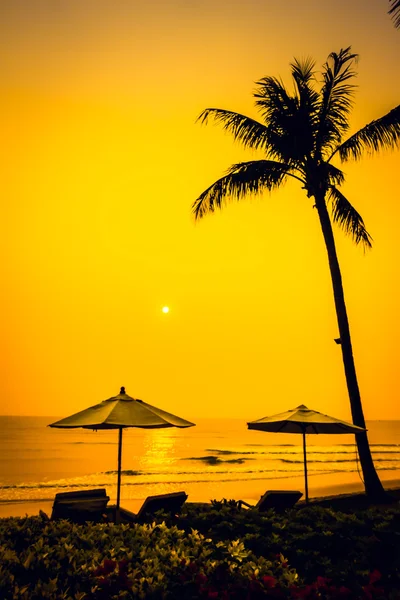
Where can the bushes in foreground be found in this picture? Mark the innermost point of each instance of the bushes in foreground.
(316, 541)
(40, 559)
(234, 556)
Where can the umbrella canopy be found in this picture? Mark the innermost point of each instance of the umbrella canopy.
(120, 412)
(303, 420)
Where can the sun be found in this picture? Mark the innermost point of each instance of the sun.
(165, 309)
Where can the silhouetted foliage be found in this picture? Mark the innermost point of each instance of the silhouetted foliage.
(300, 134)
(395, 12)
(216, 551)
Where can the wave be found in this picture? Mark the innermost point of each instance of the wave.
(126, 472)
(299, 445)
(272, 445)
(176, 473)
(372, 445)
(336, 460)
(94, 443)
(300, 451)
(261, 476)
(214, 460)
(182, 478)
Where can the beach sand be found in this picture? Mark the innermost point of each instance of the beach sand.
(320, 486)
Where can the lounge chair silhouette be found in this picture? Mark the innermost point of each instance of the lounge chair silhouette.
(85, 505)
(279, 500)
(170, 503)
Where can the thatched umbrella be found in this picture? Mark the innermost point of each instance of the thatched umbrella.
(303, 420)
(120, 412)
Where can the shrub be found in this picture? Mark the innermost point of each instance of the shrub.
(55, 560)
(211, 552)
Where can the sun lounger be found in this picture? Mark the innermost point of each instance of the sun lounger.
(169, 503)
(279, 500)
(86, 505)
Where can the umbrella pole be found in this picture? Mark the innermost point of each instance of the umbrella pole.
(119, 466)
(305, 464)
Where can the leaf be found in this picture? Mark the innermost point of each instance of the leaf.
(336, 100)
(346, 216)
(395, 12)
(24, 589)
(249, 132)
(380, 134)
(28, 561)
(242, 179)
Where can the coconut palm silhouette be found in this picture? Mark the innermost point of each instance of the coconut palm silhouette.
(395, 12)
(300, 135)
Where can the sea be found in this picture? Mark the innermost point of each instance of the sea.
(218, 458)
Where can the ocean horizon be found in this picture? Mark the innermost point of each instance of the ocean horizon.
(217, 458)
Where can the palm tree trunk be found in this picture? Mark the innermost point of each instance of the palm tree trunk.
(373, 485)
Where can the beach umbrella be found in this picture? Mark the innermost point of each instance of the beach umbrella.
(303, 420)
(120, 412)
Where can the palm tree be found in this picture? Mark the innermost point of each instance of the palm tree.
(300, 135)
(395, 12)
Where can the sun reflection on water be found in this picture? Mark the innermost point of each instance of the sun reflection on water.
(159, 449)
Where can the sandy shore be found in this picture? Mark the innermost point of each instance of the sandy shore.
(319, 486)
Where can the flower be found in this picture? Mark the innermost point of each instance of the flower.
(322, 581)
(375, 576)
(200, 578)
(269, 581)
(109, 565)
(123, 565)
(302, 593)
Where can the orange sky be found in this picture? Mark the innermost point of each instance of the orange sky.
(101, 161)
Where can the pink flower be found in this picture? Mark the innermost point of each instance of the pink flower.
(192, 566)
(371, 591)
(302, 593)
(109, 565)
(375, 576)
(200, 578)
(322, 582)
(367, 592)
(123, 565)
(269, 581)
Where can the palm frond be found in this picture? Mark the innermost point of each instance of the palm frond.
(249, 132)
(336, 99)
(303, 70)
(395, 12)
(242, 179)
(346, 216)
(303, 74)
(333, 175)
(383, 133)
(289, 125)
(274, 101)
